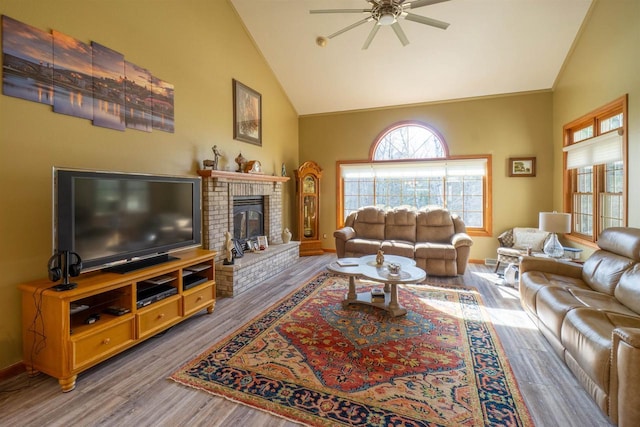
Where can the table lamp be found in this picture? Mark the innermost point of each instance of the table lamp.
(554, 222)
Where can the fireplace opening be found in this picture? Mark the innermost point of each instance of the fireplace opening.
(248, 217)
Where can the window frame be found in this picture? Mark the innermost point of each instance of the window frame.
(485, 230)
(598, 179)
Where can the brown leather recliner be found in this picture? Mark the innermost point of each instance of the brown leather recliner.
(590, 314)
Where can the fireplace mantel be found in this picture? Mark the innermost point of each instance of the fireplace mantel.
(238, 176)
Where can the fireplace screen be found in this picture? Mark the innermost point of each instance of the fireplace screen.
(248, 218)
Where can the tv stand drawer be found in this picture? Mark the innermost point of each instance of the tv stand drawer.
(199, 298)
(158, 315)
(94, 348)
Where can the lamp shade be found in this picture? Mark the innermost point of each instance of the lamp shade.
(555, 222)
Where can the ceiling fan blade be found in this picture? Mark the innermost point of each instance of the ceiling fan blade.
(372, 34)
(350, 27)
(421, 3)
(427, 21)
(340, 11)
(401, 35)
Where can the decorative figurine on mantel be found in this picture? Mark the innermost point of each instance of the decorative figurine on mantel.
(283, 171)
(213, 164)
(228, 248)
(216, 156)
(240, 161)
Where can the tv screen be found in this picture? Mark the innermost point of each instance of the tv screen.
(112, 218)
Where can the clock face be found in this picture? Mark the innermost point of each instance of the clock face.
(308, 184)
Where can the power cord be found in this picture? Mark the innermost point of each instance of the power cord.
(40, 339)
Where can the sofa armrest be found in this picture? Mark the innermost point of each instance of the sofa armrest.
(461, 239)
(345, 233)
(552, 266)
(624, 396)
(341, 236)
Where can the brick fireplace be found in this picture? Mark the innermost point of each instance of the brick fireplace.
(219, 190)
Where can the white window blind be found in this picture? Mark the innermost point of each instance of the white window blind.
(466, 167)
(606, 148)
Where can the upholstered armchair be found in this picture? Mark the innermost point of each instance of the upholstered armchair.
(514, 243)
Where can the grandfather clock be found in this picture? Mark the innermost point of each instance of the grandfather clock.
(308, 206)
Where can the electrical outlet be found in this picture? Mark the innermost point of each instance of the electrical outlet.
(324, 236)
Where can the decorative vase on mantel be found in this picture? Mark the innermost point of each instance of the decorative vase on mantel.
(240, 161)
(286, 236)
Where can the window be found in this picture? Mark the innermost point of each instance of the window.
(595, 190)
(410, 166)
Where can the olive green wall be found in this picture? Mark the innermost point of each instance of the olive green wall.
(504, 126)
(603, 66)
(198, 46)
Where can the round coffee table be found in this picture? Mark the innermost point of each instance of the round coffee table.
(407, 274)
(367, 267)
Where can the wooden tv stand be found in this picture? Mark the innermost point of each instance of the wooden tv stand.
(67, 332)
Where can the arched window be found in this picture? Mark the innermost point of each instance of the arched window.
(409, 140)
(409, 165)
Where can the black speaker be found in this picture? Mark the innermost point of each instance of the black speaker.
(63, 264)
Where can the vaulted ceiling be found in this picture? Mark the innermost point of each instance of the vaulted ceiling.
(491, 47)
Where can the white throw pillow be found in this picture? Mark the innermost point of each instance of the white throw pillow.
(533, 238)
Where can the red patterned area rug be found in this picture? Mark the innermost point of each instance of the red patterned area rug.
(312, 361)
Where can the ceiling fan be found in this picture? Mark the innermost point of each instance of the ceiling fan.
(385, 13)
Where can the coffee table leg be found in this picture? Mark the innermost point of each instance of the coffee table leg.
(394, 306)
(351, 296)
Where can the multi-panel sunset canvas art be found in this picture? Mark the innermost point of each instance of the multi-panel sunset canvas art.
(89, 81)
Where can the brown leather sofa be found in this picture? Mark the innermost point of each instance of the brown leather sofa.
(591, 316)
(436, 239)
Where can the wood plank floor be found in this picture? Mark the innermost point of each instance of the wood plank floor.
(133, 389)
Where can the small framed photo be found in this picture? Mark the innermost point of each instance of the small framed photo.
(247, 114)
(522, 166)
(262, 243)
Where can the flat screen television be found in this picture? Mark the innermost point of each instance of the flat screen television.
(124, 221)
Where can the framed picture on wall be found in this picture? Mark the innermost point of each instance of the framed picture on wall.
(522, 166)
(247, 114)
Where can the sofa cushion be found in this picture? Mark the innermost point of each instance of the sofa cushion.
(552, 305)
(587, 333)
(533, 238)
(600, 301)
(369, 223)
(624, 241)
(434, 225)
(531, 282)
(401, 225)
(435, 250)
(506, 238)
(398, 247)
(603, 269)
(628, 289)
(361, 246)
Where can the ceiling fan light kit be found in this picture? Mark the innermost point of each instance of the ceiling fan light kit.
(385, 13)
